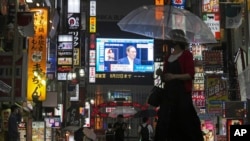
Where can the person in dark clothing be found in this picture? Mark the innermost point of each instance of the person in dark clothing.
(120, 127)
(177, 117)
(78, 134)
(110, 134)
(145, 124)
(13, 133)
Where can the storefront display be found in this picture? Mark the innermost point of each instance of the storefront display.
(38, 130)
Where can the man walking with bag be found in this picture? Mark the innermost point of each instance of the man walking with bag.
(145, 130)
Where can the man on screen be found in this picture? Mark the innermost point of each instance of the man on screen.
(130, 58)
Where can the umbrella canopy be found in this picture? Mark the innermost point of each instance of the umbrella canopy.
(89, 133)
(126, 111)
(157, 21)
(145, 113)
(71, 128)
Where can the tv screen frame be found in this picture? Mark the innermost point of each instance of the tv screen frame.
(115, 48)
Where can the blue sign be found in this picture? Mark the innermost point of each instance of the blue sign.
(179, 3)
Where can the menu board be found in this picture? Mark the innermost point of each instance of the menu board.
(38, 130)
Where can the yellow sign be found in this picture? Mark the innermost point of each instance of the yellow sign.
(216, 92)
(92, 24)
(159, 2)
(37, 50)
(159, 13)
(76, 57)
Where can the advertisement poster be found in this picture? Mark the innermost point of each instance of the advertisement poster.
(38, 130)
(213, 22)
(199, 99)
(210, 6)
(216, 93)
(208, 130)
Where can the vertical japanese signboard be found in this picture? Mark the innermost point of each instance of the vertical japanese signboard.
(64, 56)
(159, 10)
(37, 51)
(92, 42)
(211, 16)
(74, 29)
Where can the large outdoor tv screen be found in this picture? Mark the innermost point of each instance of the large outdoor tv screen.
(124, 55)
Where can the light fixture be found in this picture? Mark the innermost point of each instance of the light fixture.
(86, 104)
(92, 101)
(81, 72)
(29, 1)
(71, 76)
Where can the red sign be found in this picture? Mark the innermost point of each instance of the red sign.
(199, 98)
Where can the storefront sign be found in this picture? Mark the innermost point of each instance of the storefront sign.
(199, 98)
(210, 6)
(92, 75)
(92, 57)
(213, 22)
(92, 11)
(65, 55)
(74, 21)
(159, 2)
(179, 3)
(37, 51)
(216, 93)
(92, 24)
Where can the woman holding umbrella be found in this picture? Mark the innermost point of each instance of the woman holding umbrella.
(177, 118)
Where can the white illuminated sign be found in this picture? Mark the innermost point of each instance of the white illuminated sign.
(92, 10)
(73, 6)
(29, 1)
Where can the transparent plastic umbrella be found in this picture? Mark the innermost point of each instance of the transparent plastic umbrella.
(89, 133)
(157, 21)
(126, 111)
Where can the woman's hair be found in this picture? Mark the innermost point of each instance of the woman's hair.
(178, 37)
(182, 45)
(144, 119)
